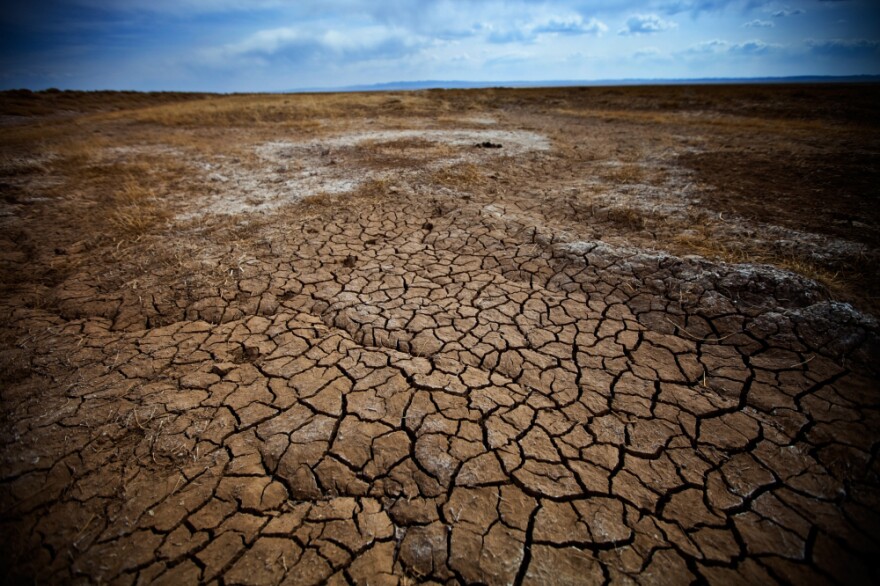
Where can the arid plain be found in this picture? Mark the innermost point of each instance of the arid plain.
(532, 336)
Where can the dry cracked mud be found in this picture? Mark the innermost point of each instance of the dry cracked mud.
(370, 352)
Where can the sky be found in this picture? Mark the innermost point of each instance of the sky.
(281, 45)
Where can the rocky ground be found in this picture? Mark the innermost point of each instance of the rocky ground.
(498, 337)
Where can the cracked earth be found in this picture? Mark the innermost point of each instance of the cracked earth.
(375, 353)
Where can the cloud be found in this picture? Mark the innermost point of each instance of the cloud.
(297, 45)
(705, 47)
(644, 24)
(649, 54)
(754, 47)
(718, 47)
(572, 25)
(693, 6)
(758, 23)
(844, 47)
(576, 57)
(510, 36)
(787, 12)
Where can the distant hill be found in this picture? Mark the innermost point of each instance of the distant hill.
(460, 84)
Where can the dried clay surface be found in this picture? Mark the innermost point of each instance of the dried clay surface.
(490, 337)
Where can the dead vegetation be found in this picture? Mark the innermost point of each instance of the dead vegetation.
(134, 208)
(26, 103)
(127, 161)
(366, 194)
(303, 112)
(465, 178)
(627, 217)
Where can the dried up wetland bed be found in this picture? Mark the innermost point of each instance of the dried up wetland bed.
(602, 335)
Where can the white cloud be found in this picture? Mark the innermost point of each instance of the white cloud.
(570, 25)
(713, 46)
(366, 38)
(719, 46)
(758, 23)
(530, 32)
(644, 24)
(298, 45)
(754, 47)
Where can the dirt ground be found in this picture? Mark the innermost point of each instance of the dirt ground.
(568, 336)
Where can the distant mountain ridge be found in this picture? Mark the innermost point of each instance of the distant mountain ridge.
(461, 84)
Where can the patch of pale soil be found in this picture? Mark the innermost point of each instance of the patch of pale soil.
(513, 141)
(293, 170)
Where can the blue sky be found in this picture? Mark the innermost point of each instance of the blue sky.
(274, 45)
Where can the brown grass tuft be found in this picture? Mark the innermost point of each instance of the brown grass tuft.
(704, 241)
(467, 177)
(627, 217)
(369, 192)
(133, 209)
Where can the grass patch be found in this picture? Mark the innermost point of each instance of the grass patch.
(844, 282)
(299, 111)
(715, 121)
(32, 104)
(466, 177)
(402, 152)
(628, 173)
(17, 166)
(626, 217)
(133, 209)
(370, 192)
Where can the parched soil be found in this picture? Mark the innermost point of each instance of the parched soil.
(834, 194)
(575, 336)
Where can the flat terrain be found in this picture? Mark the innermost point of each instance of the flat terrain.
(550, 336)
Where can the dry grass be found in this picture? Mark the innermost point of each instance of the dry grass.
(33, 140)
(704, 239)
(623, 173)
(465, 178)
(53, 102)
(78, 153)
(582, 208)
(373, 189)
(317, 201)
(12, 165)
(714, 121)
(627, 217)
(120, 196)
(300, 111)
(133, 208)
(369, 193)
(404, 152)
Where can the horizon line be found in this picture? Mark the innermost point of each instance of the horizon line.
(429, 84)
